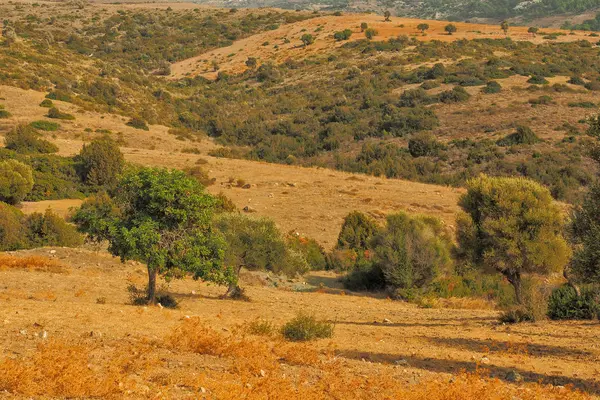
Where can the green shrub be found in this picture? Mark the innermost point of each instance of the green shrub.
(45, 126)
(100, 162)
(4, 113)
(342, 35)
(306, 327)
(456, 95)
(47, 103)
(516, 315)
(138, 123)
(576, 80)
(593, 86)
(12, 235)
(430, 84)
(49, 229)
(25, 139)
(59, 95)
(565, 304)
(311, 250)
(492, 87)
(261, 327)
(537, 80)
(423, 144)
(16, 181)
(356, 232)
(55, 113)
(542, 100)
(583, 104)
(523, 135)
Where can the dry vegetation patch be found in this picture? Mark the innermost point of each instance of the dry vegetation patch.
(31, 263)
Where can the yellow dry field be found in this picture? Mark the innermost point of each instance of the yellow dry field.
(272, 45)
(69, 332)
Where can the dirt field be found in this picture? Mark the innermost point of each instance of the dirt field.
(373, 337)
(271, 45)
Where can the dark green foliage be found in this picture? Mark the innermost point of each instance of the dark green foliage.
(305, 327)
(356, 232)
(585, 231)
(401, 121)
(49, 229)
(138, 123)
(456, 95)
(313, 252)
(100, 162)
(370, 33)
(268, 72)
(587, 25)
(12, 234)
(423, 27)
(576, 80)
(423, 144)
(45, 126)
(342, 35)
(307, 39)
(523, 135)
(537, 80)
(59, 95)
(16, 181)
(4, 113)
(592, 85)
(162, 218)
(492, 87)
(564, 303)
(47, 103)
(55, 113)
(25, 139)
(583, 104)
(450, 29)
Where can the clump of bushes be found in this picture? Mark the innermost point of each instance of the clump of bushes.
(537, 80)
(25, 139)
(47, 103)
(4, 113)
(564, 303)
(492, 87)
(456, 95)
(16, 181)
(342, 35)
(523, 135)
(138, 123)
(45, 126)
(200, 174)
(305, 327)
(100, 162)
(55, 113)
(423, 144)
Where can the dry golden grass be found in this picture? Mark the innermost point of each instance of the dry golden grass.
(32, 263)
(248, 368)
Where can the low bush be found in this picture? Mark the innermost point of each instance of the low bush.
(49, 229)
(47, 103)
(138, 123)
(16, 181)
(45, 126)
(55, 113)
(576, 80)
(542, 100)
(583, 104)
(537, 80)
(565, 304)
(261, 327)
(4, 113)
(25, 139)
(456, 95)
(311, 250)
(200, 175)
(306, 327)
(516, 315)
(492, 87)
(12, 236)
(523, 135)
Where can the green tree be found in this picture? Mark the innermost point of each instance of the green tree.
(504, 26)
(101, 162)
(411, 250)
(251, 62)
(533, 30)
(387, 15)
(450, 28)
(12, 235)
(356, 232)
(255, 244)
(307, 39)
(363, 26)
(370, 33)
(511, 225)
(25, 139)
(162, 218)
(49, 229)
(423, 28)
(342, 35)
(16, 181)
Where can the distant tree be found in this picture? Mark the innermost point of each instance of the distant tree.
(307, 39)
(12, 234)
(342, 35)
(423, 27)
(101, 162)
(585, 234)
(49, 229)
(450, 28)
(16, 181)
(162, 218)
(387, 15)
(533, 30)
(504, 26)
(255, 244)
(370, 33)
(356, 232)
(511, 225)
(251, 62)
(363, 26)
(423, 144)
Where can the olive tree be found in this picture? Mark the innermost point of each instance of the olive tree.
(513, 226)
(162, 218)
(255, 244)
(504, 26)
(450, 29)
(356, 232)
(423, 28)
(16, 181)
(387, 14)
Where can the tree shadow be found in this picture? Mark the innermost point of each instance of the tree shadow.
(332, 282)
(455, 366)
(493, 346)
(431, 322)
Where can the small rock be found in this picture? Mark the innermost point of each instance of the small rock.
(23, 332)
(513, 376)
(95, 334)
(193, 292)
(249, 209)
(246, 186)
(202, 389)
(387, 321)
(484, 360)
(271, 195)
(263, 373)
(43, 335)
(401, 362)
(159, 305)
(52, 252)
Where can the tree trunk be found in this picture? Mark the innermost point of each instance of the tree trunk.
(515, 281)
(568, 277)
(152, 274)
(234, 290)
